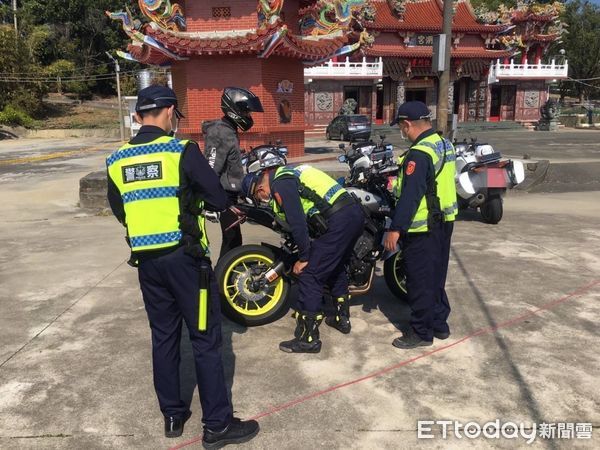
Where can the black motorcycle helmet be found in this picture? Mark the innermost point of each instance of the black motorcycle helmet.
(237, 103)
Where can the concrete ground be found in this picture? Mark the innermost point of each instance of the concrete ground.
(75, 368)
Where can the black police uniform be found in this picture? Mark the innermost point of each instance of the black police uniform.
(169, 280)
(328, 254)
(422, 252)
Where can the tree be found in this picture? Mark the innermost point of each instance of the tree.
(14, 61)
(582, 46)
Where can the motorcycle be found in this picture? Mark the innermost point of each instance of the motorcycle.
(483, 177)
(372, 172)
(254, 280)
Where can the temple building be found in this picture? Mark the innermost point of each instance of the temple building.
(261, 45)
(305, 58)
(497, 68)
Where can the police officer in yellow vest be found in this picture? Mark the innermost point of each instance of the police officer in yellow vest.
(423, 222)
(158, 187)
(306, 197)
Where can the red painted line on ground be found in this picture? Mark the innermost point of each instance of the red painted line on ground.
(483, 331)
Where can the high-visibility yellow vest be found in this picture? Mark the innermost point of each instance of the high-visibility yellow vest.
(147, 176)
(311, 179)
(443, 159)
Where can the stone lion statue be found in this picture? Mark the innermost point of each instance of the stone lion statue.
(348, 107)
(550, 110)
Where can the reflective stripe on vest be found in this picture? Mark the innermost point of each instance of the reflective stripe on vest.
(419, 222)
(438, 148)
(322, 184)
(147, 176)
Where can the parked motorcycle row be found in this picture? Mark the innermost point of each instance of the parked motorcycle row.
(255, 280)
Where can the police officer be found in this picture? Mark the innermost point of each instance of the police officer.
(158, 188)
(423, 222)
(304, 197)
(224, 156)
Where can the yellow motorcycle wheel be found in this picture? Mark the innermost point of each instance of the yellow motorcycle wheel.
(241, 299)
(395, 278)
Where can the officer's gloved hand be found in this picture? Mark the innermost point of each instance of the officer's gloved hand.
(212, 216)
(236, 211)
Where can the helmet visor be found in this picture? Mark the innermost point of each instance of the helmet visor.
(252, 104)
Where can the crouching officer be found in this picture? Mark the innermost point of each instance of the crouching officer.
(158, 188)
(306, 197)
(423, 217)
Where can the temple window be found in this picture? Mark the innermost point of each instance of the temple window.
(221, 12)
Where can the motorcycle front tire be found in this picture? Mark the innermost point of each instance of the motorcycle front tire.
(235, 303)
(394, 276)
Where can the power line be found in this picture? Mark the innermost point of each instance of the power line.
(56, 79)
(585, 79)
(75, 69)
(585, 84)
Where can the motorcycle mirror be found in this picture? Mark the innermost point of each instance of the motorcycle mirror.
(278, 142)
(342, 146)
(382, 137)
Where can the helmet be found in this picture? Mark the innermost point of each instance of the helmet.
(264, 157)
(237, 103)
(249, 184)
(259, 160)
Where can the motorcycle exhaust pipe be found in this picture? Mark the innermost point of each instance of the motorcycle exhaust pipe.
(275, 272)
(477, 200)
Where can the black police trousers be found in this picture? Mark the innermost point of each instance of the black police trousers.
(170, 287)
(425, 260)
(327, 259)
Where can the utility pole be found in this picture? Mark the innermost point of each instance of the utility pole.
(444, 78)
(119, 108)
(14, 6)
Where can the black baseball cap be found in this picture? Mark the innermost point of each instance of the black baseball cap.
(154, 97)
(411, 111)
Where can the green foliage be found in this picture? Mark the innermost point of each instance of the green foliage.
(15, 63)
(59, 38)
(582, 47)
(15, 117)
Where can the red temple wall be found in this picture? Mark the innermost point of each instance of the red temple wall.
(199, 15)
(199, 83)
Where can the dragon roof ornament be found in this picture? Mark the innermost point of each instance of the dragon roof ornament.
(328, 16)
(164, 13)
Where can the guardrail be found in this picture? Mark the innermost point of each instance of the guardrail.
(346, 69)
(501, 71)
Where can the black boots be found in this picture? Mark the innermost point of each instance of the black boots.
(174, 425)
(410, 339)
(237, 432)
(306, 338)
(341, 320)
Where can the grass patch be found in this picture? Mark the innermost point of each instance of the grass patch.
(78, 117)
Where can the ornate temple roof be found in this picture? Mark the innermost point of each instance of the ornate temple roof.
(326, 31)
(427, 15)
(252, 42)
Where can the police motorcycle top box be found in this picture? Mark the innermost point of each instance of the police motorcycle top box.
(254, 280)
(483, 177)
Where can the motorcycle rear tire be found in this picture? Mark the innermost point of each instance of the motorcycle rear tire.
(491, 210)
(236, 307)
(394, 276)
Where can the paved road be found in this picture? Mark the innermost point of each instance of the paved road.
(75, 368)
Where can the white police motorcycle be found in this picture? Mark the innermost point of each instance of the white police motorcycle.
(483, 177)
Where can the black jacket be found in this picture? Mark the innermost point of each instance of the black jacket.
(222, 149)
